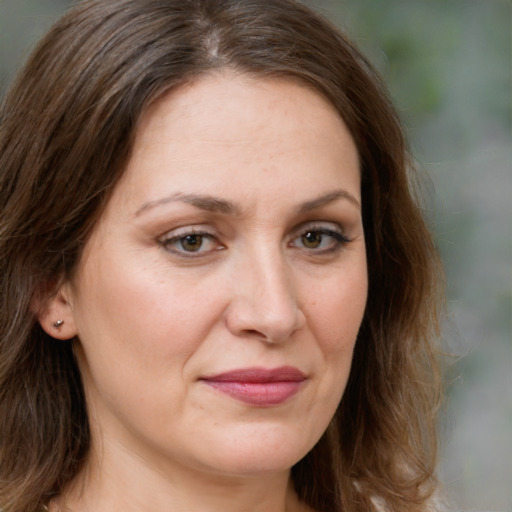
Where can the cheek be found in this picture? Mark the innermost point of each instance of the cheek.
(137, 330)
(334, 317)
(337, 310)
(143, 310)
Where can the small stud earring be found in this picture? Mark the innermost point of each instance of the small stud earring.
(58, 324)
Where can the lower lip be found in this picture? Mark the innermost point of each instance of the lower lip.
(261, 394)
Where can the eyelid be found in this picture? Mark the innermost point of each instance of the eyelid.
(327, 227)
(175, 235)
(330, 229)
(187, 230)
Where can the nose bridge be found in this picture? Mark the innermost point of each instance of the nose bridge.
(273, 286)
(266, 302)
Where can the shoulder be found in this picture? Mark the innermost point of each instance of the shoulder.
(435, 504)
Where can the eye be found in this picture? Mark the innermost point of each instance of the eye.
(190, 243)
(320, 239)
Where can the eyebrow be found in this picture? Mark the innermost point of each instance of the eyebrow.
(216, 205)
(203, 202)
(329, 198)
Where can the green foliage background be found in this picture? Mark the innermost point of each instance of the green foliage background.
(448, 65)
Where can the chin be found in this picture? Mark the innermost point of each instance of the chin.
(260, 451)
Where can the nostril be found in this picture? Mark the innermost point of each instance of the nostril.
(253, 333)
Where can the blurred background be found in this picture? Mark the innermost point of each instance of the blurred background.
(449, 68)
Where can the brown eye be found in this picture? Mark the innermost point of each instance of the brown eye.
(321, 240)
(191, 243)
(312, 239)
(187, 243)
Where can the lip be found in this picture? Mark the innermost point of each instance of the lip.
(261, 387)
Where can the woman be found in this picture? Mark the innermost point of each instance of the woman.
(217, 290)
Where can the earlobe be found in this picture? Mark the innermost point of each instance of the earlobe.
(55, 315)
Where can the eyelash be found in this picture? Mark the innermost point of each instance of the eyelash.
(179, 236)
(169, 243)
(339, 239)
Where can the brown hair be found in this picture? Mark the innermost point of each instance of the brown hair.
(66, 129)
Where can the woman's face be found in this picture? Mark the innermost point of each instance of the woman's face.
(219, 298)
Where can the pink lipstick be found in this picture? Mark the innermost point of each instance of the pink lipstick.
(260, 387)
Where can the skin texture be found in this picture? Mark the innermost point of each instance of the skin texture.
(263, 177)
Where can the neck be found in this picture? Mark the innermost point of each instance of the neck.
(121, 480)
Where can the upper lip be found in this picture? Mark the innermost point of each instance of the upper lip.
(259, 375)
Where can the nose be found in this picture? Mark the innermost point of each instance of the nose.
(264, 303)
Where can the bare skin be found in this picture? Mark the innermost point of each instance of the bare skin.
(233, 243)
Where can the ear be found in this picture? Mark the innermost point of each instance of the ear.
(55, 314)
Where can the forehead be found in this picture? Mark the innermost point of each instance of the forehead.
(229, 130)
(259, 106)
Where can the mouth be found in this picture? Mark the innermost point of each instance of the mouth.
(259, 387)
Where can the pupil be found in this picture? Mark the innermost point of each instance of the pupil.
(192, 242)
(312, 239)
